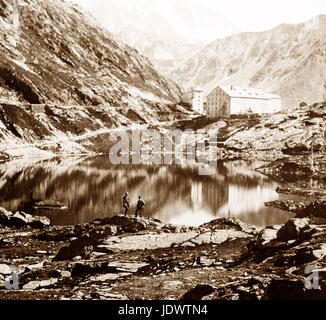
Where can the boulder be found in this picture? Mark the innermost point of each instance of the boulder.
(108, 276)
(127, 224)
(205, 261)
(37, 222)
(35, 266)
(316, 208)
(284, 290)
(5, 217)
(198, 292)
(5, 269)
(128, 266)
(320, 253)
(21, 219)
(172, 285)
(82, 246)
(56, 234)
(292, 289)
(267, 235)
(233, 224)
(33, 285)
(104, 231)
(85, 268)
(50, 205)
(294, 229)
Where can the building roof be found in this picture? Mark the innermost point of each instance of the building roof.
(252, 93)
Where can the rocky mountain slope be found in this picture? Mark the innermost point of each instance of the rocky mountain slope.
(54, 52)
(167, 32)
(62, 75)
(165, 51)
(293, 133)
(289, 60)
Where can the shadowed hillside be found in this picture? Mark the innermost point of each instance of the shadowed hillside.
(288, 60)
(53, 51)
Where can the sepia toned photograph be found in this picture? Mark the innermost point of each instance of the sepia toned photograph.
(166, 151)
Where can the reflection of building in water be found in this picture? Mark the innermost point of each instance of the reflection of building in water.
(197, 194)
(215, 195)
(242, 200)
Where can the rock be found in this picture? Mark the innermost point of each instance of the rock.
(47, 283)
(56, 234)
(284, 290)
(37, 222)
(5, 269)
(50, 205)
(300, 191)
(5, 217)
(36, 266)
(233, 223)
(112, 296)
(104, 249)
(20, 219)
(109, 276)
(128, 266)
(267, 235)
(294, 258)
(95, 255)
(84, 269)
(150, 241)
(320, 253)
(316, 208)
(82, 247)
(32, 285)
(294, 229)
(205, 261)
(104, 231)
(172, 285)
(288, 205)
(127, 224)
(42, 252)
(198, 292)
(65, 274)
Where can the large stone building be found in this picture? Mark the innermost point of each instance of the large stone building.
(195, 97)
(225, 101)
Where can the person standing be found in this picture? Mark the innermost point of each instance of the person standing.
(140, 206)
(125, 203)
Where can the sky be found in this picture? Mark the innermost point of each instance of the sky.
(260, 15)
(256, 15)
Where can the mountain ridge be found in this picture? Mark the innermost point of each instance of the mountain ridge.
(289, 60)
(167, 34)
(44, 63)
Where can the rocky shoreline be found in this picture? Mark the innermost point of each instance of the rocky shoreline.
(128, 258)
(134, 258)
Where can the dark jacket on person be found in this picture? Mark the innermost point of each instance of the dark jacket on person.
(140, 204)
(125, 201)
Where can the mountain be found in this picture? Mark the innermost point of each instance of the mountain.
(167, 32)
(164, 52)
(64, 79)
(54, 51)
(289, 60)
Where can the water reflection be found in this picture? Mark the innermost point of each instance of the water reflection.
(93, 188)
